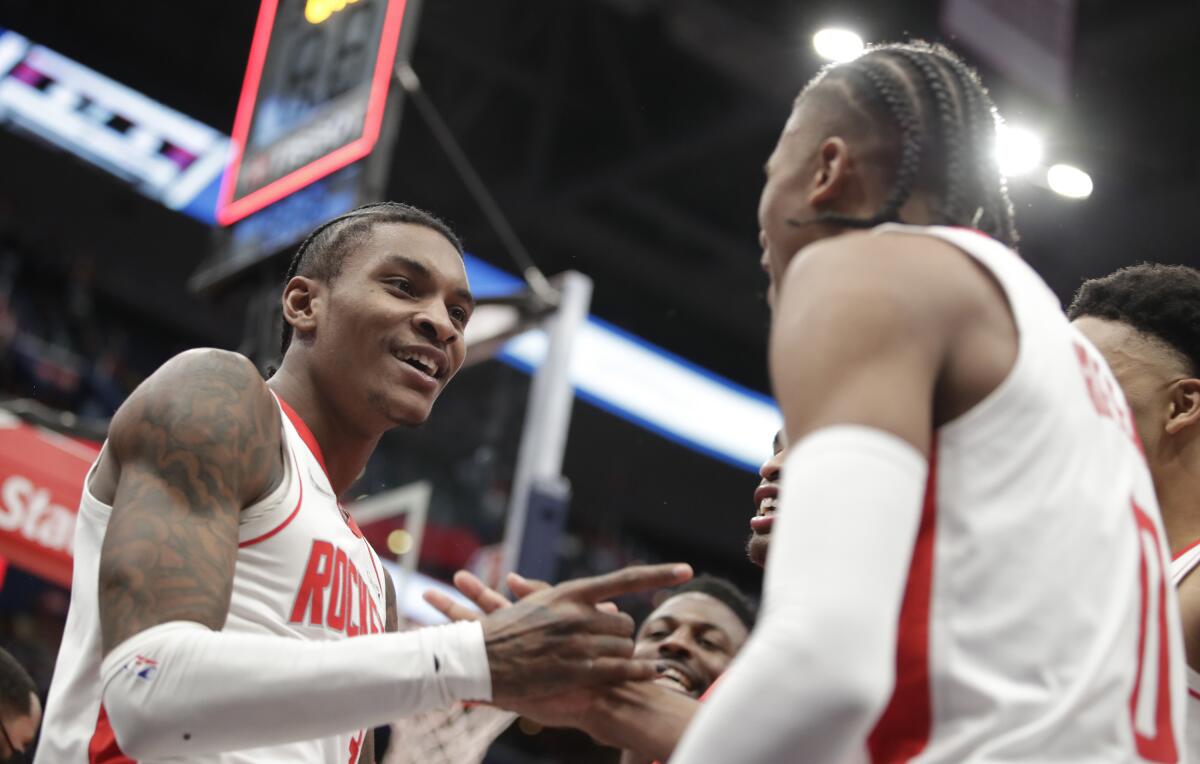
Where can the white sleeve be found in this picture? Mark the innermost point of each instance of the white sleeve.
(180, 688)
(820, 665)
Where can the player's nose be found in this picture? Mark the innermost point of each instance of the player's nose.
(676, 645)
(436, 325)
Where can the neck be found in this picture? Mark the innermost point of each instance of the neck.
(344, 448)
(1178, 490)
(629, 757)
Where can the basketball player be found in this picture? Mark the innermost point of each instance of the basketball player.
(693, 635)
(1145, 320)
(217, 577)
(967, 564)
(20, 709)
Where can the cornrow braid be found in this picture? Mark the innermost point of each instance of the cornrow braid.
(947, 126)
(996, 213)
(948, 130)
(887, 87)
(323, 251)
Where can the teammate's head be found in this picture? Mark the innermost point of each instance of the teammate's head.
(1145, 320)
(695, 633)
(766, 501)
(375, 304)
(903, 133)
(20, 709)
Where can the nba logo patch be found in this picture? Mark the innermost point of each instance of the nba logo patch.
(144, 668)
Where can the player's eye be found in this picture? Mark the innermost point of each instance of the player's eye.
(404, 285)
(459, 314)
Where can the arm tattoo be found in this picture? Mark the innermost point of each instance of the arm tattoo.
(195, 444)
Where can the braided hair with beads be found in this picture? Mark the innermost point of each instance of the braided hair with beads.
(323, 252)
(946, 125)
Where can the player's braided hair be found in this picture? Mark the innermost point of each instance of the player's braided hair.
(946, 122)
(322, 254)
(1162, 301)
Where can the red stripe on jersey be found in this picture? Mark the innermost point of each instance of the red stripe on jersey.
(103, 748)
(903, 730)
(1185, 550)
(1193, 693)
(281, 526)
(306, 435)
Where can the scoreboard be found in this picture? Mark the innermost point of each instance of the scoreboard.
(313, 99)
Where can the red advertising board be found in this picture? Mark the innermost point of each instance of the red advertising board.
(41, 477)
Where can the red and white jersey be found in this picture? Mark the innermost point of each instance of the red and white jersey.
(1181, 566)
(303, 571)
(1038, 623)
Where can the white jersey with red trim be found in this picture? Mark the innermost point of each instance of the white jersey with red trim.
(1037, 623)
(303, 571)
(1181, 566)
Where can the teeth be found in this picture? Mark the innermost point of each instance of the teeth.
(769, 504)
(431, 366)
(677, 676)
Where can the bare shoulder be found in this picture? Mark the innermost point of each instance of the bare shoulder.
(210, 403)
(918, 278)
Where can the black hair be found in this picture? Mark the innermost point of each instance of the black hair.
(1162, 301)
(16, 686)
(723, 591)
(323, 253)
(947, 133)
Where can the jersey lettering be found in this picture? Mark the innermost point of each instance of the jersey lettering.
(327, 592)
(1150, 702)
(1103, 392)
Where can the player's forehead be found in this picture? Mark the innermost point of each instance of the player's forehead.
(398, 246)
(697, 608)
(1129, 351)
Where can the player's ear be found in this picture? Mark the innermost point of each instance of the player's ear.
(300, 298)
(831, 173)
(1184, 396)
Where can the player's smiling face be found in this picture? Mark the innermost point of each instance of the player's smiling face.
(694, 636)
(394, 318)
(766, 501)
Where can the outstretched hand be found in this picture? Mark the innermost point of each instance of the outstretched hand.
(556, 639)
(488, 600)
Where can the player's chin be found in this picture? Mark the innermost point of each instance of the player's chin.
(756, 548)
(409, 408)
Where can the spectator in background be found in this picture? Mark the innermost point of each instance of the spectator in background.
(20, 709)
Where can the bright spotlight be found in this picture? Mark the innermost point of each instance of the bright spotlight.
(837, 44)
(1069, 181)
(1018, 150)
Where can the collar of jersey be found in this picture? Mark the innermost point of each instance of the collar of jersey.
(306, 435)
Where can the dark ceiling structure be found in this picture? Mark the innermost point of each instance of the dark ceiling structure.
(625, 139)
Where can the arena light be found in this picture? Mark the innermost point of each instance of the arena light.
(838, 44)
(1018, 150)
(1071, 182)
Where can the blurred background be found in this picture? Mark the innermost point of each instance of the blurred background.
(159, 162)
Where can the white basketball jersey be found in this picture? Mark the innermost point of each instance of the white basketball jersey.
(303, 571)
(1183, 564)
(1037, 623)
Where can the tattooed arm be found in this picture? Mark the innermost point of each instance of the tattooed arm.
(193, 445)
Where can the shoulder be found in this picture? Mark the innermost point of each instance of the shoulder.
(212, 403)
(888, 283)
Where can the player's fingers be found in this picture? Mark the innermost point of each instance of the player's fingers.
(455, 611)
(617, 670)
(607, 607)
(617, 624)
(635, 578)
(522, 587)
(488, 599)
(596, 646)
